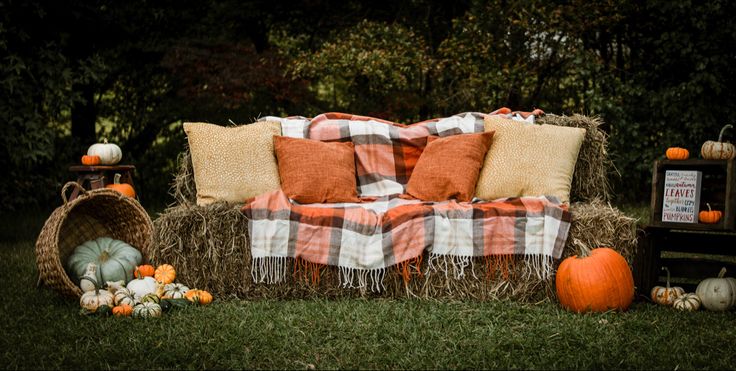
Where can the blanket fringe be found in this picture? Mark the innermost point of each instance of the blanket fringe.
(363, 278)
(274, 270)
(405, 268)
(270, 269)
(504, 266)
(453, 264)
(306, 271)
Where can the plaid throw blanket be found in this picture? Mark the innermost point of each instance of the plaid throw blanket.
(364, 239)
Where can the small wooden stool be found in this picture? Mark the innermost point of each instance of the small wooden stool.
(98, 176)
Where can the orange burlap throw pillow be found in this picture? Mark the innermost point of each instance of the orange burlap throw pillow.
(316, 172)
(449, 167)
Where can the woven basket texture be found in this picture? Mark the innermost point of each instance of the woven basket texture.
(95, 213)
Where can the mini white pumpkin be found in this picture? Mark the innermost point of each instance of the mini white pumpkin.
(719, 293)
(666, 295)
(91, 272)
(91, 300)
(718, 150)
(125, 296)
(109, 153)
(142, 286)
(147, 310)
(687, 302)
(114, 286)
(175, 290)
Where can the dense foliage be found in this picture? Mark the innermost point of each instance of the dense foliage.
(658, 72)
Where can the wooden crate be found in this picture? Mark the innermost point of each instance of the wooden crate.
(691, 251)
(718, 189)
(690, 255)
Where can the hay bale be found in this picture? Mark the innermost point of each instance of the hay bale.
(183, 188)
(209, 245)
(598, 224)
(590, 179)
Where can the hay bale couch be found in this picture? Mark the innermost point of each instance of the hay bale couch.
(438, 209)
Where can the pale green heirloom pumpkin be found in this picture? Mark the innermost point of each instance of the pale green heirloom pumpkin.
(116, 260)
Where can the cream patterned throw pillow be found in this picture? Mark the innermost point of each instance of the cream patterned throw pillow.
(529, 160)
(233, 163)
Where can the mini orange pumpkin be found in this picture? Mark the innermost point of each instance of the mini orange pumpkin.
(677, 153)
(197, 296)
(123, 188)
(597, 283)
(165, 273)
(90, 160)
(123, 310)
(711, 216)
(145, 270)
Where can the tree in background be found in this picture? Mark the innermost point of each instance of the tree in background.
(659, 73)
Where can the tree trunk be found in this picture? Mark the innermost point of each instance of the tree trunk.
(84, 115)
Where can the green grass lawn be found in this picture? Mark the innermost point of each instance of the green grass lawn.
(43, 330)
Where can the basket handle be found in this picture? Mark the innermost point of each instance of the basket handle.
(82, 191)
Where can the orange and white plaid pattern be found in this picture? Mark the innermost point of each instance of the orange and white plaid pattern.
(364, 239)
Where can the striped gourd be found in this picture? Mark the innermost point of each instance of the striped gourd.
(147, 310)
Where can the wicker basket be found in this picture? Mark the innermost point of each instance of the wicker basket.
(95, 213)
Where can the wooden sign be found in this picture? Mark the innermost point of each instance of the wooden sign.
(681, 201)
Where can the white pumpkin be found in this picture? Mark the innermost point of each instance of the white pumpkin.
(717, 294)
(114, 286)
(91, 300)
(666, 295)
(124, 296)
(109, 153)
(687, 302)
(142, 286)
(718, 150)
(175, 291)
(91, 272)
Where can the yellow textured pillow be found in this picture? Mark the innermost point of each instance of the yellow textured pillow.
(233, 163)
(528, 160)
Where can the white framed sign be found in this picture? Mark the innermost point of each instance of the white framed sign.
(681, 200)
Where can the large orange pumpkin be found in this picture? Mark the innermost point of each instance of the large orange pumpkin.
(597, 283)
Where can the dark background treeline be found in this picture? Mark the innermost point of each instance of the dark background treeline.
(660, 73)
